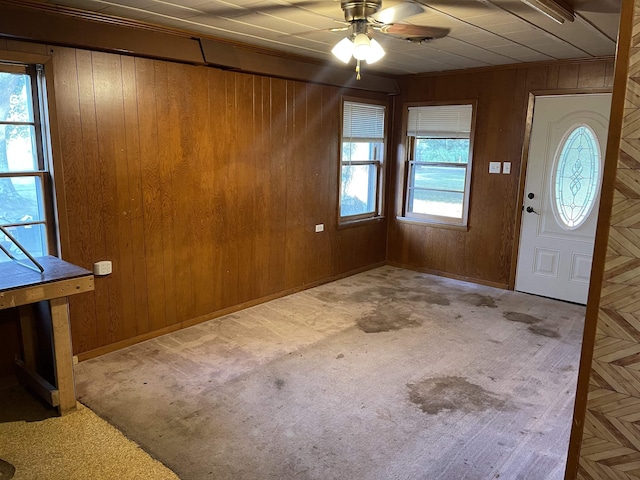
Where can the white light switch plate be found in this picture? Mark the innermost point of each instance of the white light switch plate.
(320, 227)
(506, 167)
(495, 167)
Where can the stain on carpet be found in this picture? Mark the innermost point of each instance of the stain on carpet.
(521, 318)
(479, 300)
(7, 470)
(365, 295)
(435, 395)
(279, 383)
(544, 331)
(533, 323)
(378, 322)
(432, 298)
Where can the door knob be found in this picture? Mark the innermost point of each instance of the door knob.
(531, 210)
(531, 196)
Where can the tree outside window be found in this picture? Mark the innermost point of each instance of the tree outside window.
(361, 160)
(439, 163)
(22, 166)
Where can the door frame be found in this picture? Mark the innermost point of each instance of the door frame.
(524, 162)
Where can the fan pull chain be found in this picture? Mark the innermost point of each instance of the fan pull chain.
(358, 70)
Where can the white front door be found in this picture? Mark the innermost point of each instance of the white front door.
(562, 195)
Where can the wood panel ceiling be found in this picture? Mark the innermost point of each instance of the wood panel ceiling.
(482, 32)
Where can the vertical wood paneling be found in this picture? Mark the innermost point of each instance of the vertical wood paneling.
(279, 157)
(217, 116)
(485, 251)
(296, 250)
(83, 314)
(168, 154)
(202, 174)
(151, 192)
(184, 166)
(92, 231)
(134, 205)
(118, 303)
(246, 174)
(568, 77)
(201, 186)
(592, 74)
(232, 191)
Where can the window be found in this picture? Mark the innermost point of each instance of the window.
(24, 181)
(577, 177)
(362, 154)
(439, 146)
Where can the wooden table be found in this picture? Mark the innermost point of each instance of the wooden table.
(23, 288)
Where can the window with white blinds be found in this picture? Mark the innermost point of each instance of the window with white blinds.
(362, 121)
(363, 145)
(439, 163)
(440, 121)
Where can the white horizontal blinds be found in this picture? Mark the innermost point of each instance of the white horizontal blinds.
(362, 122)
(440, 121)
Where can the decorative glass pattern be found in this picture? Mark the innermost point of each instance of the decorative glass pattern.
(577, 175)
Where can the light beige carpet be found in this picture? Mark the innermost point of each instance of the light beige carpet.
(78, 446)
(388, 374)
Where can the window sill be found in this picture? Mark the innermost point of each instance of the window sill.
(432, 223)
(361, 222)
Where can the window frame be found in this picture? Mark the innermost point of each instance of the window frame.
(410, 163)
(36, 71)
(378, 163)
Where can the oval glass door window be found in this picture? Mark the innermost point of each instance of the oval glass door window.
(576, 177)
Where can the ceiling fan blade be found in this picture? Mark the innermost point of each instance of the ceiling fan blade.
(414, 31)
(397, 12)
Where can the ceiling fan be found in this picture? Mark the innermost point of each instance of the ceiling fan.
(365, 17)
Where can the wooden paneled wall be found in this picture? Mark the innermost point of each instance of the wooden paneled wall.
(202, 187)
(483, 253)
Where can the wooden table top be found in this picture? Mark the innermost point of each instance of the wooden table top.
(14, 275)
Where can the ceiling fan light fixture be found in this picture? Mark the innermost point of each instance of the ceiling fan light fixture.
(554, 9)
(376, 52)
(361, 46)
(343, 50)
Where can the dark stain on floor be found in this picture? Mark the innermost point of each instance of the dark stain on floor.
(279, 383)
(374, 293)
(544, 331)
(365, 295)
(521, 318)
(435, 395)
(432, 298)
(378, 322)
(7, 470)
(534, 324)
(479, 300)
(328, 296)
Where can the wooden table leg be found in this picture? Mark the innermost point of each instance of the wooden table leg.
(63, 354)
(28, 341)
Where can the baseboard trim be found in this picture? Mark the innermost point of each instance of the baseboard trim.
(502, 286)
(112, 347)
